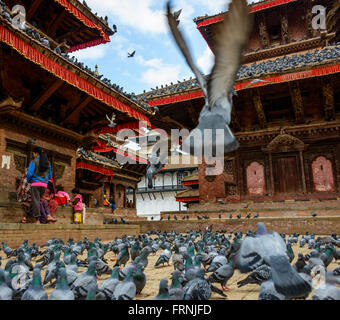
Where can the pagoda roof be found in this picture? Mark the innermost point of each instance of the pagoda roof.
(189, 195)
(273, 70)
(193, 177)
(41, 52)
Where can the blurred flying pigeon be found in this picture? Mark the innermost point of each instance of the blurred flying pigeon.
(256, 81)
(176, 15)
(112, 124)
(114, 28)
(132, 54)
(269, 247)
(231, 43)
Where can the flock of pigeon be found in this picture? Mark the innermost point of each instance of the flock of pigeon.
(203, 262)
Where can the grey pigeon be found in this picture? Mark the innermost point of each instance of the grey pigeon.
(230, 46)
(91, 291)
(6, 293)
(300, 263)
(164, 257)
(80, 285)
(326, 291)
(123, 257)
(198, 288)
(258, 276)
(62, 292)
(125, 290)
(163, 293)
(222, 275)
(176, 291)
(107, 287)
(269, 247)
(269, 292)
(36, 290)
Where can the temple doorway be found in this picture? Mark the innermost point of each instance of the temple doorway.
(286, 175)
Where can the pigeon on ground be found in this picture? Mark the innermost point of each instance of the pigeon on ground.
(80, 285)
(139, 278)
(230, 47)
(176, 291)
(269, 292)
(258, 276)
(270, 248)
(107, 287)
(62, 292)
(135, 250)
(326, 291)
(164, 257)
(123, 257)
(6, 293)
(222, 275)
(300, 263)
(163, 293)
(36, 290)
(125, 290)
(91, 291)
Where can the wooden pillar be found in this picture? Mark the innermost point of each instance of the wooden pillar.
(272, 187)
(134, 198)
(303, 173)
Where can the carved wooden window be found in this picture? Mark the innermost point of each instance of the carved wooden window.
(323, 177)
(255, 179)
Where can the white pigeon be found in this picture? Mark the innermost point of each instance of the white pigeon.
(111, 121)
(231, 41)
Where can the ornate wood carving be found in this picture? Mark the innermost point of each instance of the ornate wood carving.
(259, 110)
(328, 94)
(264, 37)
(308, 19)
(9, 104)
(332, 18)
(285, 143)
(235, 123)
(297, 101)
(229, 167)
(284, 27)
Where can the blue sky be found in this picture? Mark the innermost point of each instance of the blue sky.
(142, 26)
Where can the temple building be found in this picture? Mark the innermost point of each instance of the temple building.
(286, 114)
(51, 100)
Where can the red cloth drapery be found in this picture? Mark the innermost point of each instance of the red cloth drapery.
(48, 64)
(188, 199)
(70, 8)
(118, 127)
(189, 183)
(322, 71)
(95, 168)
(254, 8)
(88, 44)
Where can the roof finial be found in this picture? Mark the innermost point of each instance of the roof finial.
(96, 72)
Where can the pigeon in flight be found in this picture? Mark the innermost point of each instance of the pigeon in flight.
(114, 28)
(132, 54)
(111, 121)
(256, 81)
(218, 91)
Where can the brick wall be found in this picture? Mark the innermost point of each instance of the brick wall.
(15, 234)
(321, 226)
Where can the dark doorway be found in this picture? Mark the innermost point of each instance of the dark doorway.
(286, 177)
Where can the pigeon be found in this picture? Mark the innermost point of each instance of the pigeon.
(163, 293)
(248, 216)
(8, 251)
(300, 263)
(62, 292)
(107, 287)
(111, 124)
(125, 290)
(178, 260)
(230, 216)
(239, 216)
(222, 275)
(176, 15)
(6, 293)
(135, 250)
(132, 54)
(326, 291)
(218, 261)
(269, 247)
(80, 285)
(258, 276)
(123, 257)
(176, 291)
(313, 214)
(164, 257)
(269, 292)
(230, 46)
(91, 291)
(256, 216)
(139, 279)
(36, 290)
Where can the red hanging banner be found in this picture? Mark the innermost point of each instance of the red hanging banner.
(94, 168)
